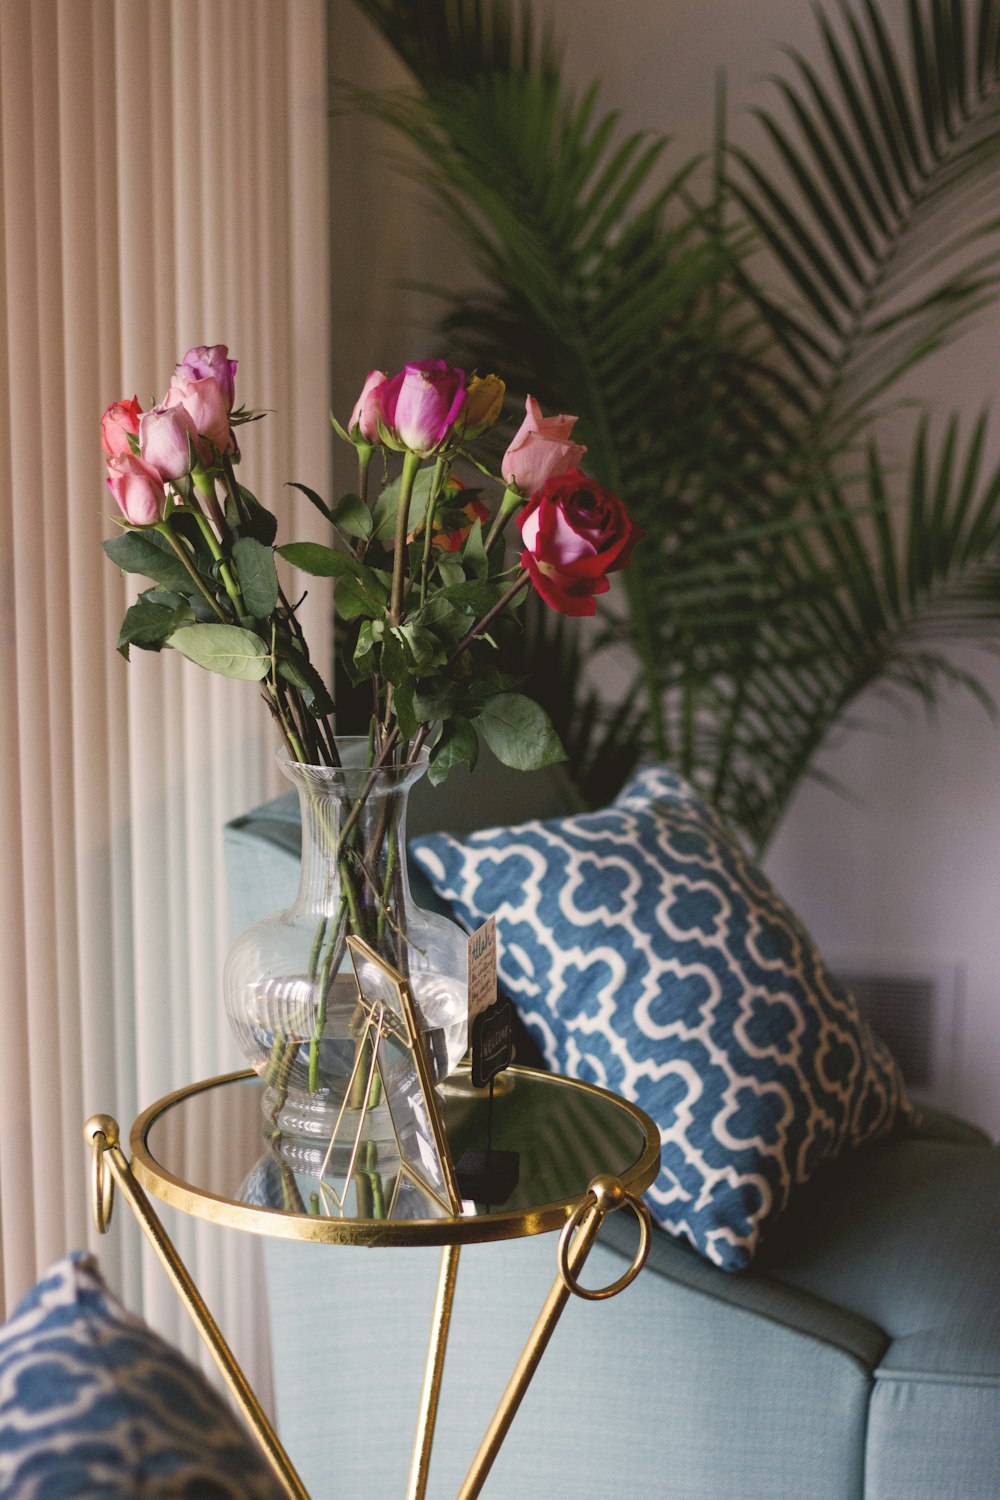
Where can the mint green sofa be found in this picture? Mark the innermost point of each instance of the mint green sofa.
(859, 1359)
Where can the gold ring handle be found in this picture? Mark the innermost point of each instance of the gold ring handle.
(101, 1133)
(607, 1194)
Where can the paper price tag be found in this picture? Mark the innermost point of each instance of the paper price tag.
(482, 969)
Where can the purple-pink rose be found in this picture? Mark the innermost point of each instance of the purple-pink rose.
(138, 489)
(167, 437)
(575, 532)
(367, 408)
(202, 398)
(541, 450)
(213, 360)
(421, 403)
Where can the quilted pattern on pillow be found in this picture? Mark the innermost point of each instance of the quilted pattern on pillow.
(647, 954)
(95, 1406)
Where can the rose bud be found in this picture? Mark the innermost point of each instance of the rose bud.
(211, 360)
(119, 421)
(167, 435)
(574, 533)
(367, 408)
(541, 449)
(138, 489)
(483, 405)
(420, 405)
(203, 400)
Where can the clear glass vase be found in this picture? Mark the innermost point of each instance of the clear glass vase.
(289, 982)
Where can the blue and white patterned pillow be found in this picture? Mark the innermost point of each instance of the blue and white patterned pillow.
(647, 954)
(95, 1406)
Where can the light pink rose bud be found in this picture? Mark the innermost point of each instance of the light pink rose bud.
(166, 437)
(212, 359)
(138, 489)
(203, 401)
(541, 450)
(120, 419)
(368, 408)
(421, 402)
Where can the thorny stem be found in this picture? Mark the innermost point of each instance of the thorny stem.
(225, 572)
(411, 464)
(437, 485)
(489, 616)
(164, 528)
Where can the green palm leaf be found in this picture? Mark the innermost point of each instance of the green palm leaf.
(786, 564)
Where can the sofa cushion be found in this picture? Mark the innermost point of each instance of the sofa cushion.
(94, 1404)
(649, 955)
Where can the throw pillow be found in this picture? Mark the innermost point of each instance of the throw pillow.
(94, 1404)
(647, 954)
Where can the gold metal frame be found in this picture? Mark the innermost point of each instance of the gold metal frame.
(505, 1224)
(404, 1027)
(580, 1222)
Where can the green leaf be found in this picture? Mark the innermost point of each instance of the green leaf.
(458, 745)
(146, 625)
(316, 500)
(317, 560)
(402, 702)
(148, 553)
(387, 504)
(474, 552)
(303, 675)
(353, 601)
(258, 576)
(435, 700)
(423, 647)
(225, 649)
(519, 732)
(352, 516)
(259, 522)
(359, 591)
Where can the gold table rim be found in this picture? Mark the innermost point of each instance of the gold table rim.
(279, 1224)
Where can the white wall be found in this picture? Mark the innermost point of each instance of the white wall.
(909, 877)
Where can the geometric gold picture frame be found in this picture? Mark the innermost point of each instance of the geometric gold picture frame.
(397, 1055)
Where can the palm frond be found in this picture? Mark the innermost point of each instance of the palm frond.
(787, 563)
(889, 229)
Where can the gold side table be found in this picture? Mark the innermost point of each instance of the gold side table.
(207, 1151)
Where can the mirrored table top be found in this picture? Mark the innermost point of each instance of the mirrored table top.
(209, 1150)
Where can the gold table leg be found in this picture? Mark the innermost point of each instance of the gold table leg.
(101, 1133)
(433, 1372)
(603, 1196)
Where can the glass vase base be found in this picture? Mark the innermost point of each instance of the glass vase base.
(313, 1118)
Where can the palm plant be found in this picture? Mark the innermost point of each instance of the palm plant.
(731, 341)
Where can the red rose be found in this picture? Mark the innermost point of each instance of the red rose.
(574, 532)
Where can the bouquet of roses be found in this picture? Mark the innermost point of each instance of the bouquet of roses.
(419, 570)
(419, 577)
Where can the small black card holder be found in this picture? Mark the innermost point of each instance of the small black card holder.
(489, 1176)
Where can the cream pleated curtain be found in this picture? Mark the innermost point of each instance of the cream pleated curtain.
(164, 183)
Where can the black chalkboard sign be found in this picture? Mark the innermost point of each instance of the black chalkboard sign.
(492, 1042)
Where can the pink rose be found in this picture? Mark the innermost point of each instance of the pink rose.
(138, 489)
(540, 450)
(574, 533)
(167, 436)
(213, 360)
(367, 408)
(120, 419)
(204, 402)
(421, 403)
